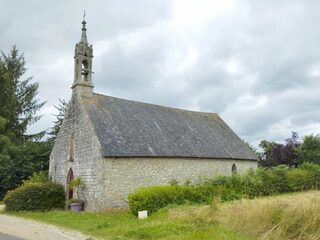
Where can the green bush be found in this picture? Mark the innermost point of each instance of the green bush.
(33, 196)
(154, 198)
(253, 185)
(306, 177)
(37, 177)
(279, 179)
(301, 180)
(314, 169)
(261, 182)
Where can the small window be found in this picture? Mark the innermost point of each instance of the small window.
(71, 148)
(234, 169)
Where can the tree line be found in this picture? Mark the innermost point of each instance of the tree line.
(291, 153)
(23, 154)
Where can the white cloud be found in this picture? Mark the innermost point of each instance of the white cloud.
(191, 14)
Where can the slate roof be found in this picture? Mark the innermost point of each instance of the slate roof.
(133, 129)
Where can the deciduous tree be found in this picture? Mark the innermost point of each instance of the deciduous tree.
(309, 150)
(274, 154)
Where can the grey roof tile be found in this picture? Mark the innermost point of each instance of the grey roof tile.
(133, 129)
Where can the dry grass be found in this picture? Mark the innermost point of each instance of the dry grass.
(283, 217)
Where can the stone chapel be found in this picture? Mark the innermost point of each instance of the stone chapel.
(117, 145)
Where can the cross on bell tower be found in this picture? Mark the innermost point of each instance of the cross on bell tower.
(83, 64)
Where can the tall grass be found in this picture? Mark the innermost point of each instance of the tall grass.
(285, 217)
(290, 217)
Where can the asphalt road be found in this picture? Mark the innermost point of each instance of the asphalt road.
(8, 237)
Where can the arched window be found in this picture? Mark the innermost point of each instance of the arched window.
(234, 169)
(70, 177)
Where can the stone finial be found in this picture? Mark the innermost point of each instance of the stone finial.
(84, 29)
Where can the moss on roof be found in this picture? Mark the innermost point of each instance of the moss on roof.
(133, 129)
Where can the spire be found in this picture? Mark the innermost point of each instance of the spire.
(83, 55)
(84, 29)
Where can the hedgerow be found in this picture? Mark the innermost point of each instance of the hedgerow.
(35, 196)
(261, 182)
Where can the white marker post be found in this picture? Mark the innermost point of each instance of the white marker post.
(143, 214)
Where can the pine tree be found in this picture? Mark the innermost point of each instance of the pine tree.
(62, 111)
(18, 103)
(20, 154)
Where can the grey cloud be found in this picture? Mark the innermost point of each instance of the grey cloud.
(142, 55)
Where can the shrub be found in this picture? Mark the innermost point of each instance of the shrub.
(253, 185)
(197, 194)
(279, 179)
(37, 177)
(154, 198)
(315, 170)
(33, 196)
(273, 180)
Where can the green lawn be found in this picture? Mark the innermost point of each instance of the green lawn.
(123, 225)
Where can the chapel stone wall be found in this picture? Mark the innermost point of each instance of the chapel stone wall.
(123, 175)
(77, 131)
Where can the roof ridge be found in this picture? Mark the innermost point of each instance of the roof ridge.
(158, 105)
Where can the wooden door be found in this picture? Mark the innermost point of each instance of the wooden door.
(69, 179)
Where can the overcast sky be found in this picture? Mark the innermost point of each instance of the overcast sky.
(256, 63)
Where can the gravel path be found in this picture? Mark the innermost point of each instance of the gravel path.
(33, 230)
(8, 237)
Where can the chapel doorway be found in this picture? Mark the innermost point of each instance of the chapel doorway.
(69, 179)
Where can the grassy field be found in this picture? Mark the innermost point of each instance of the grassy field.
(126, 226)
(295, 216)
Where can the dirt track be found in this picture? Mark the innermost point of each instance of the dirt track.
(33, 230)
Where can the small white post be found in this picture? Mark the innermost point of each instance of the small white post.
(142, 214)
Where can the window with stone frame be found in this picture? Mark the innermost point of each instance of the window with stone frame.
(71, 148)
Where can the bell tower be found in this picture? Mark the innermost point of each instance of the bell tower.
(83, 55)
